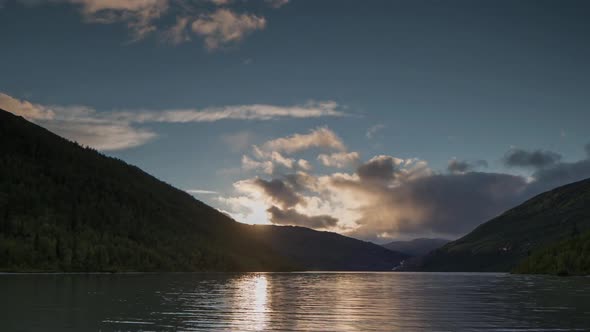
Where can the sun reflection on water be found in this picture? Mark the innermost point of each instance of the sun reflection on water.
(252, 302)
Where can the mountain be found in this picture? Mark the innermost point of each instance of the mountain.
(326, 250)
(502, 243)
(416, 247)
(64, 207)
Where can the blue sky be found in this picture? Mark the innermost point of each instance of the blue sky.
(435, 80)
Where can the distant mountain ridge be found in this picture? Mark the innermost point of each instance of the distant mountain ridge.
(68, 208)
(416, 247)
(503, 243)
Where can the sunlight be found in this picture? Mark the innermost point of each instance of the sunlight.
(249, 210)
(252, 302)
(260, 295)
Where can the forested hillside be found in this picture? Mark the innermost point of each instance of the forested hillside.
(68, 208)
(568, 257)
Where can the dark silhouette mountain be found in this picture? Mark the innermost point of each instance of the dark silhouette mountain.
(502, 243)
(304, 244)
(68, 208)
(416, 247)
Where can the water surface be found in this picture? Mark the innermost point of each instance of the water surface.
(293, 301)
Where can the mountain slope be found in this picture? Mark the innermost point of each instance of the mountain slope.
(68, 208)
(568, 257)
(503, 242)
(416, 247)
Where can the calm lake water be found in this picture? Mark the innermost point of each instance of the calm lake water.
(293, 301)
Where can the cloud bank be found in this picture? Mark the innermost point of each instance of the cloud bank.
(388, 197)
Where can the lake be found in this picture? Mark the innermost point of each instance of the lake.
(292, 302)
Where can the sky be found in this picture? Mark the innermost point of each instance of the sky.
(381, 120)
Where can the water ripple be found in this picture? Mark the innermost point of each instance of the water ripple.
(294, 302)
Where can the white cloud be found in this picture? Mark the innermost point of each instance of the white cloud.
(95, 6)
(119, 130)
(201, 192)
(304, 165)
(321, 137)
(269, 163)
(282, 160)
(25, 109)
(79, 123)
(250, 164)
(272, 156)
(218, 26)
(238, 112)
(224, 26)
(105, 137)
(339, 159)
(138, 15)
